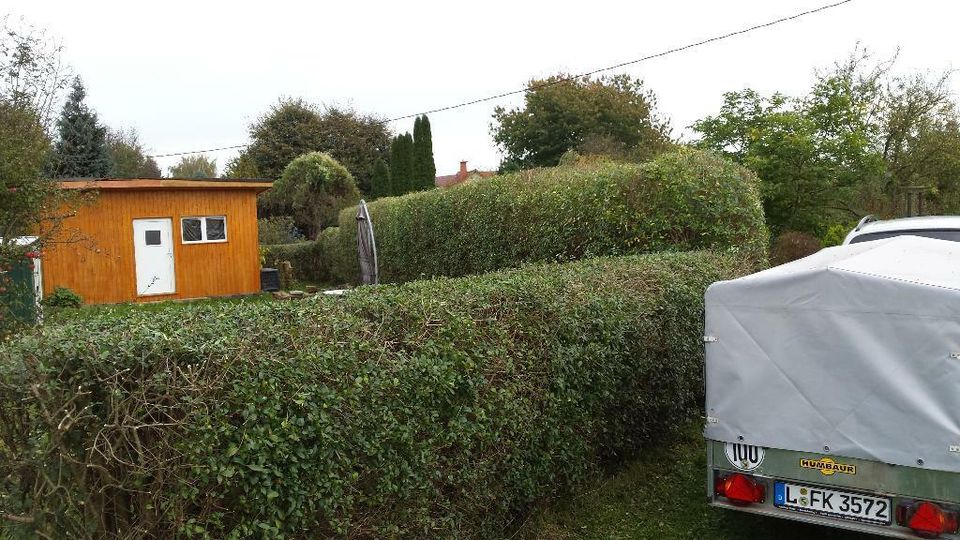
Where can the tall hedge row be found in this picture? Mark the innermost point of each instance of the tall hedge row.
(441, 408)
(680, 201)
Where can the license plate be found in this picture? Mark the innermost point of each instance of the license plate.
(832, 503)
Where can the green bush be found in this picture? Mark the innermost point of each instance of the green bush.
(680, 201)
(313, 188)
(63, 297)
(308, 260)
(836, 234)
(278, 230)
(444, 408)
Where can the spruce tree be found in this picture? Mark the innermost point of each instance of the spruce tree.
(425, 168)
(81, 149)
(381, 180)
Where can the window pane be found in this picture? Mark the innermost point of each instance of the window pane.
(191, 230)
(151, 238)
(216, 228)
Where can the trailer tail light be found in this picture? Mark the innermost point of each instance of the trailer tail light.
(926, 519)
(739, 488)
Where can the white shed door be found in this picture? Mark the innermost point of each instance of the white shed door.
(153, 247)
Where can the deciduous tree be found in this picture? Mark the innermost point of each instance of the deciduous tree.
(848, 147)
(561, 113)
(242, 166)
(33, 75)
(195, 166)
(128, 157)
(293, 127)
(811, 172)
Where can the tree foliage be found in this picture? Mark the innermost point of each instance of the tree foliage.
(194, 166)
(561, 113)
(127, 156)
(81, 147)
(32, 73)
(23, 152)
(811, 154)
(402, 171)
(30, 205)
(294, 127)
(241, 166)
(313, 189)
(31, 78)
(425, 170)
(381, 186)
(848, 147)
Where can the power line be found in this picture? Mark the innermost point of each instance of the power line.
(525, 89)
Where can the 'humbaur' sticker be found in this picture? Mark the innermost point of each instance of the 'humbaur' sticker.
(745, 457)
(827, 466)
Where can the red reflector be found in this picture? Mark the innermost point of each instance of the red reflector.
(740, 489)
(927, 519)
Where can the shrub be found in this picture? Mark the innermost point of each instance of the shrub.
(312, 189)
(63, 297)
(442, 408)
(680, 201)
(278, 230)
(307, 258)
(793, 245)
(836, 234)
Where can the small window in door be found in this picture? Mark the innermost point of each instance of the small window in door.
(205, 229)
(151, 238)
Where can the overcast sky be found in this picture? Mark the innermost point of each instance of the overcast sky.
(192, 75)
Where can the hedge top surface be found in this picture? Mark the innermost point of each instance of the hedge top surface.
(684, 200)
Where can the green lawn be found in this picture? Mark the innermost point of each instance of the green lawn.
(662, 496)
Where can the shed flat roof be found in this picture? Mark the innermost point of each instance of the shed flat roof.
(258, 184)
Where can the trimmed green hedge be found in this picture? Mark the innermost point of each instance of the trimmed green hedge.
(308, 259)
(680, 201)
(442, 408)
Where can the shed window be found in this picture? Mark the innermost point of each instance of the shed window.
(216, 228)
(197, 230)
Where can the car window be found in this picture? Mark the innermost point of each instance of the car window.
(940, 234)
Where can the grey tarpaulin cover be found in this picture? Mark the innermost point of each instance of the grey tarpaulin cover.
(848, 349)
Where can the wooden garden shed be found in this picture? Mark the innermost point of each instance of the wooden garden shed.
(156, 239)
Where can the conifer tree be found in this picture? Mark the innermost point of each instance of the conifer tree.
(425, 168)
(401, 164)
(81, 149)
(381, 180)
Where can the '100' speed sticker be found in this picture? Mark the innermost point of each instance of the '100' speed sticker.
(745, 457)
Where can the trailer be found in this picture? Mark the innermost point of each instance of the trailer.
(833, 389)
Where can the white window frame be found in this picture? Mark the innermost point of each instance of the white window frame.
(203, 230)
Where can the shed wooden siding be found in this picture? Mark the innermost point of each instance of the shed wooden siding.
(101, 266)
